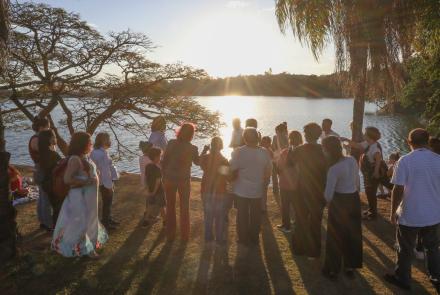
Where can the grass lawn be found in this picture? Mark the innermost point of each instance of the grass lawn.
(138, 260)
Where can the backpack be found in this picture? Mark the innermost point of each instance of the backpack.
(367, 168)
(59, 188)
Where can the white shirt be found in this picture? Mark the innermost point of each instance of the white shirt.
(331, 133)
(374, 148)
(143, 162)
(253, 164)
(342, 177)
(104, 164)
(419, 173)
(159, 140)
(237, 138)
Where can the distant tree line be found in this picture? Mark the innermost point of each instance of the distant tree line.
(283, 84)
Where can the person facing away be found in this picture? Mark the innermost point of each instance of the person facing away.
(288, 181)
(311, 163)
(176, 167)
(344, 228)
(266, 143)
(415, 208)
(144, 160)
(43, 206)
(371, 163)
(213, 191)
(327, 129)
(280, 141)
(78, 231)
(237, 134)
(106, 174)
(155, 201)
(253, 123)
(157, 137)
(49, 159)
(250, 167)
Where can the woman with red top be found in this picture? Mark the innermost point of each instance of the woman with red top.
(177, 160)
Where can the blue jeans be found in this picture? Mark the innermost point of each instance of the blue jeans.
(44, 209)
(214, 210)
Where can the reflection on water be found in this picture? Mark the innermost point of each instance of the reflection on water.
(269, 111)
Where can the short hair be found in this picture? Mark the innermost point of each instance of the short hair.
(434, 144)
(216, 144)
(186, 132)
(79, 143)
(236, 120)
(158, 124)
(251, 122)
(395, 156)
(145, 146)
(281, 128)
(373, 133)
(266, 140)
(333, 147)
(295, 138)
(40, 122)
(101, 139)
(328, 121)
(250, 136)
(154, 153)
(312, 132)
(418, 136)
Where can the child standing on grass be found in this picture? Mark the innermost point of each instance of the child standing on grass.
(266, 143)
(214, 195)
(155, 192)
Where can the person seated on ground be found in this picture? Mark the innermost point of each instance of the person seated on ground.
(415, 209)
(434, 144)
(344, 229)
(237, 134)
(288, 181)
(327, 129)
(16, 183)
(155, 201)
(266, 143)
(251, 167)
(213, 191)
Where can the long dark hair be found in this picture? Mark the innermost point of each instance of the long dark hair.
(79, 143)
(45, 138)
(186, 132)
(40, 122)
(101, 139)
(333, 147)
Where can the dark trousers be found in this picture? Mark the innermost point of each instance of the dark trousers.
(406, 238)
(306, 238)
(56, 208)
(248, 219)
(107, 201)
(275, 185)
(214, 208)
(286, 204)
(371, 186)
(344, 233)
(171, 189)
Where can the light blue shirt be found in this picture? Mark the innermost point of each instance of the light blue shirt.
(158, 139)
(104, 164)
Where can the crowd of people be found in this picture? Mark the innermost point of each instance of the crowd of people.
(309, 171)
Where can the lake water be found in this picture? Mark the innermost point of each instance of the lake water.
(269, 111)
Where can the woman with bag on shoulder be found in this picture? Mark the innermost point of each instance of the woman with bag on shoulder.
(78, 231)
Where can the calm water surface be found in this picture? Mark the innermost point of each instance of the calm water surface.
(269, 111)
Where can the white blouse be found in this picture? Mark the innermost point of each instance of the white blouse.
(342, 177)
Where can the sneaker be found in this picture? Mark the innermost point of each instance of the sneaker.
(392, 279)
(420, 255)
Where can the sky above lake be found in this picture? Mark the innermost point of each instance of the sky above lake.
(226, 38)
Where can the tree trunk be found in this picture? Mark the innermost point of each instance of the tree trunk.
(358, 68)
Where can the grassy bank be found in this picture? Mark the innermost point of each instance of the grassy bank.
(138, 260)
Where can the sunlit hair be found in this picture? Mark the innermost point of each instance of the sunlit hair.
(434, 144)
(145, 146)
(101, 139)
(154, 153)
(40, 122)
(45, 140)
(266, 141)
(236, 121)
(372, 133)
(250, 136)
(332, 145)
(418, 136)
(216, 144)
(79, 143)
(295, 138)
(251, 122)
(158, 124)
(186, 132)
(312, 132)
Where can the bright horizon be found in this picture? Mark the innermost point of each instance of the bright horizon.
(223, 37)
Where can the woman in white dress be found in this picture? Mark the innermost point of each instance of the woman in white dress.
(78, 231)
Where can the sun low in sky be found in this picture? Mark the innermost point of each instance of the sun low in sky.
(226, 38)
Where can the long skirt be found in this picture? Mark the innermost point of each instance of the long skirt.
(78, 231)
(344, 233)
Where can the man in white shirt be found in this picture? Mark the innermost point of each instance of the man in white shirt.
(327, 129)
(416, 208)
(237, 134)
(107, 174)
